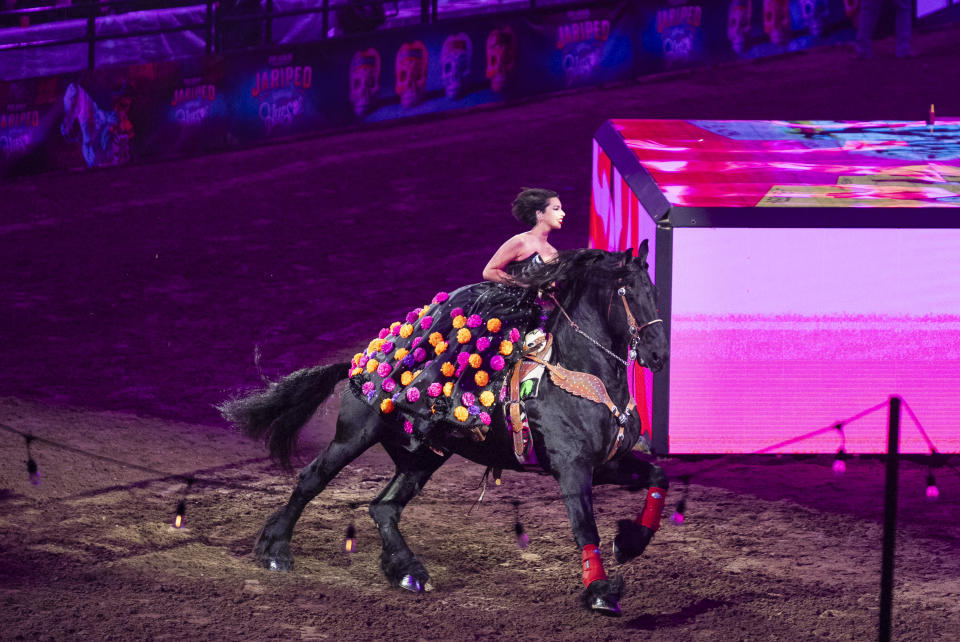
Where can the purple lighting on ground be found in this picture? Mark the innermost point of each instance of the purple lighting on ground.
(933, 492)
(839, 466)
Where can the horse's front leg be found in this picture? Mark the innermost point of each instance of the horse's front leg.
(397, 561)
(633, 471)
(602, 594)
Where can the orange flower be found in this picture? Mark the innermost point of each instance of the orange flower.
(447, 369)
(441, 347)
(356, 358)
(400, 353)
(355, 372)
(482, 378)
(506, 348)
(423, 310)
(435, 338)
(459, 321)
(386, 406)
(406, 330)
(475, 360)
(493, 325)
(463, 335)
(448, 388)
(374, 345)
(406, 378)
(487, 398)
(461, 413)
(372, 365)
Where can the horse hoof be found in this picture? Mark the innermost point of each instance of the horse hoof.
(277, 565)
(605, 606)
(410, 583)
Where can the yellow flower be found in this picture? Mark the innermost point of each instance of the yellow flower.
(506, 348)
(406, 330)
(486, 398)
(372, 365)
(417, 373)
(493, 325)
(441, 347)
(423, 310)
(400, 353)
(386, 406)
(374, 346)
(356, 358)
(447, 369)
(355, 372)
(435, 338)
(482, 378)
(475, 360)
(463, 335)
(459, 321)
(461, 413)
(406, 378)
(448, 388)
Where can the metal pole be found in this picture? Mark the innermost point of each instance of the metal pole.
(268, 32)
(890, 519)
(91, 40)
(209, 30)
(326, 17)
(424, 11)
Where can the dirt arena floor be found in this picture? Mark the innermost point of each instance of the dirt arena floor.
(134, 299)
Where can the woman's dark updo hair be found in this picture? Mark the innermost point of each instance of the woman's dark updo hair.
(530, 201)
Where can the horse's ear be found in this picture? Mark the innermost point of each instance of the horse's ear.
(642, 250)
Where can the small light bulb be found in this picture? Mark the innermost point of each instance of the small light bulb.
(840, 463)
(523, 540)
(33, 471)
(181, 511)
(932, 491)
(677, 517)
(350, 540)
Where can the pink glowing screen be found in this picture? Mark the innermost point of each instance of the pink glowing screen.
(811, 163)
(780, 332)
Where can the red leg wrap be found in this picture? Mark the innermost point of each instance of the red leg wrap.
(592, 565)
(650, 517)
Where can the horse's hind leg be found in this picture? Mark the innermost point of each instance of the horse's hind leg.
(397, 561)
(632, 471)
(357, 430)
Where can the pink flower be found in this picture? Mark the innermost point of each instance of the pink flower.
(413, 315)
(384, 369)
(419, 354)
(485, 418)
(483, 343)
(474, 321)
(426, 322)
(435, 389)
(416, 341)
(463, 358)
(386, 347)
(384, 333)
(468, 399)
(514, 335)
(497, 363)
(408, 426)
(395, 331)
(412, 394)
(363, 361)
(440, 297)
(456, 312)
(388, 385)
(368, 387)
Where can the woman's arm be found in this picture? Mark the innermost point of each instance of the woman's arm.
(509, 251)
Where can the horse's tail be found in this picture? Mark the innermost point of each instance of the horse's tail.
(277, 413)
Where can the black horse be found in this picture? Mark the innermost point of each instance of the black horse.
(606, 306)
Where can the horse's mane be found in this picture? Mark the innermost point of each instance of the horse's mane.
(574, 270)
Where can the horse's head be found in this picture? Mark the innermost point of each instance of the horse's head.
(70, 111)
(638, 312)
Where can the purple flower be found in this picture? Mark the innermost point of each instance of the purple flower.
(440, 297)
(388, 385)
(474, 410)
(514, 335)
(416, 342)
(383, 369)
(413, 315)
(454, 313)
(412, 394)
(435, 389)
(408, 426)
(468, 399)
(363, 361)
(407, 360)
(497, 363)
(483, 343)
(419, 354)
(485, 418)
(474, 321)
(426, 322)
(387, 347)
